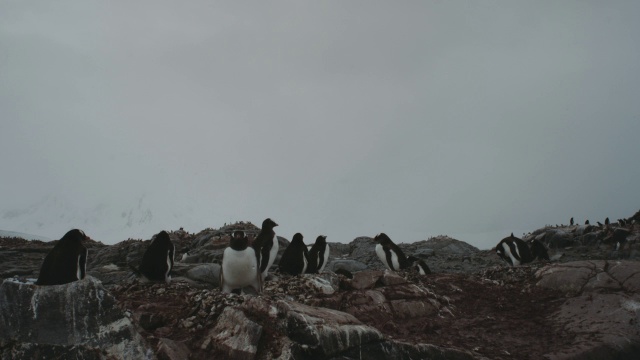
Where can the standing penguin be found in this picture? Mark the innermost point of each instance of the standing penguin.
(239, 265)
(266, 246)
(294, 258)
(66, 262)
(514, 251)
(157, 260)
(389, 253)
(318, 255)
(606, 221)
(571, 222)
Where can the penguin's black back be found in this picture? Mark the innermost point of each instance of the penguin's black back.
(538, 250)
(154, 264)
(519, 249)
(65, 260)
(263, 243)
(316, 255)
(293, 257)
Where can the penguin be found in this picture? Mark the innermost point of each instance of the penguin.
(586, 222)
(571, 222)
(185, 255)
(66, 262)
(538, 250)
(266, 246)
(599, 224)
(389, 253)
(419, 265)
(318, 255)
(294, 260)
(606, 221)
(158, 259)
(514, 251)
(239, 265)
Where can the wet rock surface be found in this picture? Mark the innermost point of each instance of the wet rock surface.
(582, 305)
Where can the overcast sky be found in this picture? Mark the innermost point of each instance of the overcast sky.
(344, 118)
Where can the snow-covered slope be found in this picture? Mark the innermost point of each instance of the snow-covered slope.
(107, 221)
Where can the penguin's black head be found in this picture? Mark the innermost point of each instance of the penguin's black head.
(74, 236)
(268, 224)
(322, 239)
(239, 241)
(161, 237)
(297, 238)
(382, 239)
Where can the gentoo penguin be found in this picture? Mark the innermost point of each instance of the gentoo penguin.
(606, 221)
(294, 260)
(586, 222)
(266, 246)
(571, 222)
(538, 250)
(318, 255)
(66, 262)
(157, 260)
(239, 265)
(599, 224)
(514, 251)
(389, 253)
(420, 265)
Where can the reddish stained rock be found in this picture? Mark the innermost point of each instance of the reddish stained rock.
(234, 335)
(391, 278)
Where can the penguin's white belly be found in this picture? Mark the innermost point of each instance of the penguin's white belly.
(507, 250)
(326, 258)
(239, 268)
(305, 264)
(272, 256)
(381, 254)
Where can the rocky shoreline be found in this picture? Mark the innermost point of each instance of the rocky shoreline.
(585, 303)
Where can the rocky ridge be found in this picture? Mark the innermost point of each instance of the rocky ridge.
(583, 304)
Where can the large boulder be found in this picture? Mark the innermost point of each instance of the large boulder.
(80, 315)
(603, 308)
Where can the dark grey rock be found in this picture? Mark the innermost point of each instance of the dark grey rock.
(80, 313)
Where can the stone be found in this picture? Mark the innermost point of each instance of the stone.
(235, 335)
(206, 273)
(365, 279)
(352, 266)
(171, 350)
(81, 313)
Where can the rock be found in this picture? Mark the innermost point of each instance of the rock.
(171, 350)
(206, 273)
(235, 336)
(321, 333)
(81, 313)
(365, 279)
(352, 266)
(440, 245)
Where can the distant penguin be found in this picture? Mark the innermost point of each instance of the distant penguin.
(318, 255)
(606, 221)
(599, 224)
(294, 260)
(185, 255)
(586, 222)
(514, 251)
(571, 222)
(66, 262)
(266, 246)
(239, 265)
(389, 253)
(419, 265)
(158, 259)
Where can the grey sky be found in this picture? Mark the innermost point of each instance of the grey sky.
(345, 118)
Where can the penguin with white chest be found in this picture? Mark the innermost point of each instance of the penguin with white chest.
(266, 246)
(239, 265)
(318, 255)
(294, 260)
(158, 259)
(389, 253)
(515, 251)
(419, 265)
(66, 262)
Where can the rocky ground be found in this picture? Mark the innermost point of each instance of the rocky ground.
(583, 304)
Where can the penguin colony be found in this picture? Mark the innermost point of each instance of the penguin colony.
(246, 264)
